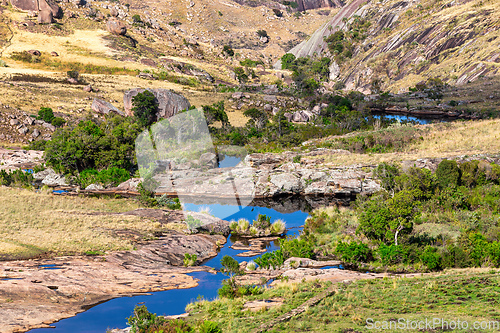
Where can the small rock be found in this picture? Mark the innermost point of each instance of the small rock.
(72, 80)
(114, 12)
(35, 134)
(35, 53)
(87, 88)
(54, 54)
(23, 130)
(14, 122)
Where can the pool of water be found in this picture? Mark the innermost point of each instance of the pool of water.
(403, 118)
(50, 266)
(229, 161)
(113, 313)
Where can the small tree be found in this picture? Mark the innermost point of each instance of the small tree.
(145, 108)
(230, 266)
(215, 112)
(287, 61)
(258, 117)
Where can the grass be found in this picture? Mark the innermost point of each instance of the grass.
(469, 295)
(437, 141)
(36, 224)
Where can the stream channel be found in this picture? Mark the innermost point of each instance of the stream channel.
(114, 313)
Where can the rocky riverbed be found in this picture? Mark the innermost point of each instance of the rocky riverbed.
(36, 293)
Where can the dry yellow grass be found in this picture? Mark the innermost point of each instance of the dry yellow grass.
(35, 223)
(439, 140)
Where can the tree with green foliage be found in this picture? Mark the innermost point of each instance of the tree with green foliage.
(145, 108)
(230, 266)
(387, 174)
(257, 118)
(287, 61)
(93, 145)
(215, 112)
(385, 220)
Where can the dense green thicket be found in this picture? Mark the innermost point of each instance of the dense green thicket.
(422, 220)
(93, 144)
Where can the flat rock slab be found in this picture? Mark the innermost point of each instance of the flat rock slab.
(257, 305)
(36, 293)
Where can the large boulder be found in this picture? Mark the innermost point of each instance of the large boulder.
(45, 17)
(169, 102)
(116, 27)
(50, 178)
(38, 6)
(103, 107)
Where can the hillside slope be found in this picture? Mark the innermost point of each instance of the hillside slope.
(401, 43)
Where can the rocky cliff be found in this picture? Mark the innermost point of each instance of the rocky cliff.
(406, 42)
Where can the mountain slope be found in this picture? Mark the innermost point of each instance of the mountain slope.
(411, 41)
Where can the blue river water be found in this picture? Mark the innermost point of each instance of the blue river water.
(113, 313)
(403, 118)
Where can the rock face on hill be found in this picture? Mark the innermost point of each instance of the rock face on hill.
(169, 102)
(302, 5)
(38, 6)
(399, 44)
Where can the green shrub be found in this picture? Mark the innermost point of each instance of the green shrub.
(142, 321)
(193, 223)
(387, 174)
(58, 122)
(353, 252)
(16, 178)
(230, 266)
(431, 258)
(448, 173)
(295, 247)
(209, 327)
(73, 74)
(228, 50)
(46, 114)
(455, 257)
(391, 254)
(24, 56)
(262, 222)
(190, 259)
(170, 203)
(107, 177)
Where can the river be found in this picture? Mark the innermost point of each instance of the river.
(113, 313)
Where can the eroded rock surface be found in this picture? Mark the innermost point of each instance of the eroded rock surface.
(169, 102)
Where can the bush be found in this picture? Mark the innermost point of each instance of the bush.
(17, 178)
(391, 254)
(278, 227)
(230, 266)
(142, 321)
(24, 56)
(262, 33)
(228, 50)
(190, 259)
(46, 114)
(170, 203)
(58, 122)
(107, 177)
(431, 258)
(263, 222)
(448, 173)
(387, 174)
(353, 252)
(73, 74)
(93, 145)
(209, 327)
(455, 257)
